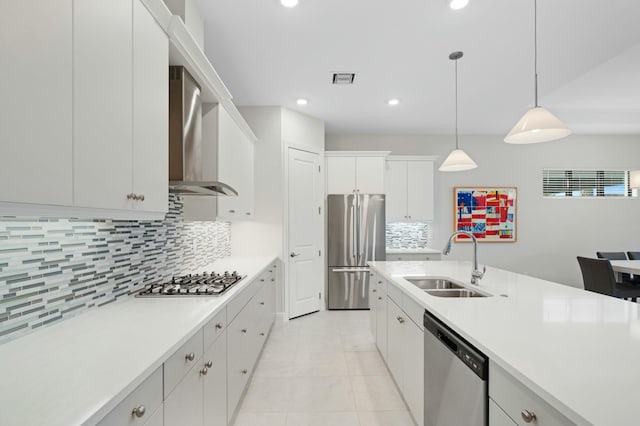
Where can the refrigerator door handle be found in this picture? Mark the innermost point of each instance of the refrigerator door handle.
(350, 270)
(357, 247)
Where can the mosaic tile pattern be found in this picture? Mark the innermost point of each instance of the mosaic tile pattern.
(408, 235)
(54, 268)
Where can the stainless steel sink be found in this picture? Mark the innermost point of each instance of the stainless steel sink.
(433, 283)
(458, 292)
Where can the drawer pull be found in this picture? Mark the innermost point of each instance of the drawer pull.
(262, 334)
(204, 371)
(131, 196)
(208, 364)
(379, 297)
(244, 371)
(190, 356)
(528, 416)
(262, 303)
(374, 290)
(270, 271)
(273, 279)
(139, 411)
(400, 320)
(261, 280)
(219, 326)
(244, 330)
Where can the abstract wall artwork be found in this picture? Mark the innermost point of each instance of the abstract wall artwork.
(489, 213)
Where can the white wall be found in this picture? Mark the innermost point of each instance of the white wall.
(551, 232)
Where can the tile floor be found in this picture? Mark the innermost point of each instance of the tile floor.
(322, 369)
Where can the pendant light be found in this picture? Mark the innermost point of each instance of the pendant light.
(458, 160)
(537, 124)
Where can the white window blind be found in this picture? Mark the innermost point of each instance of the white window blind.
(586, 183)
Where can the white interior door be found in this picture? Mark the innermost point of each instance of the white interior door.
(305, 237)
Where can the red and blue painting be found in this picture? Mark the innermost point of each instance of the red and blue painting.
(488, 213)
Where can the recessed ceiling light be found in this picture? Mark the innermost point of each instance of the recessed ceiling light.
(458, 4)
(302, 101)
(289, 3)
(393, 102)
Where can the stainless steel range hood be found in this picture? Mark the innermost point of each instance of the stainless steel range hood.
(187, 167)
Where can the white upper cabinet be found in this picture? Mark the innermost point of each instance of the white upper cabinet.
(235, 168)
(355, 172)
(36, 102)
(409, 188)
(94, 76)
(150, 111)
(120, 131)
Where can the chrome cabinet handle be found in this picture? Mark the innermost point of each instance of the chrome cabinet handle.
(190, 356)
(528, 416)
(261, 280)
(244, 330)
(139, 411)
(131, 196)
(204, 371)
(379, 297)
(244, 371)
(232, 211)
(141, 197)
(248, 213)
(273, 279)
(294, 254)
(262, 303)
(219, 326)
(262, 334)
(208, 364)
(400, 320)
(373, 290)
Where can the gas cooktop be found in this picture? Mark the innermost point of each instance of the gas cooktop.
(206, 284)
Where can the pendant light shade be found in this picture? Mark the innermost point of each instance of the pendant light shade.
(538, 124)
(457, 160)
(634, 181)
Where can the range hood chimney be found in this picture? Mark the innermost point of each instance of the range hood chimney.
(186, 175)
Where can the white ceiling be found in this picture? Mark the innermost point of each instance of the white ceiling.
(588, 61)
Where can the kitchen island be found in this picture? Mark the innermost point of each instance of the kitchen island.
(78, 371)
(578, 351)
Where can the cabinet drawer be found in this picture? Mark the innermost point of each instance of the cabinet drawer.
(235, 306)
(414, 310)
(514, 398)
(181, 362)
(394, 293)
(148, 395)
(215, 327)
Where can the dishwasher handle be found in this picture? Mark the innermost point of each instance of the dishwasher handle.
(447, 341)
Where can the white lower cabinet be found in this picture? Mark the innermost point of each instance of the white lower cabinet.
(378, 311)
(519, 404)
(215, 383)
(405, 357)
(143, 406)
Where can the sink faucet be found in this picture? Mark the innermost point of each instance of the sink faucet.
(476, 274)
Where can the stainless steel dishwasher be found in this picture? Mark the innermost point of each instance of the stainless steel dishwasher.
(455, 378)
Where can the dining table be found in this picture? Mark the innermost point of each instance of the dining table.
(628, 266)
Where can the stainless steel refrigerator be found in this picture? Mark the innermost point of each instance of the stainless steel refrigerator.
(356, 235)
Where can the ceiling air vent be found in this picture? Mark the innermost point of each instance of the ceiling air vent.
(343, 77)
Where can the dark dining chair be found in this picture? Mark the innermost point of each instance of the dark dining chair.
(598, 276)
(634, 255)
(619, 255)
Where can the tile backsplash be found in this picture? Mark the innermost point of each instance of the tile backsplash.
(408, 235)
(54, 268)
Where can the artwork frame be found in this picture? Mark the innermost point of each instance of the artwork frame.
(489, 212)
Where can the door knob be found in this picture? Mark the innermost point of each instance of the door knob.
(294, 254)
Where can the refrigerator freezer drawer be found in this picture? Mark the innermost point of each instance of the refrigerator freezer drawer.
(348, 288)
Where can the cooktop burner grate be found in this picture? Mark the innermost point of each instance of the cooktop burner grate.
(206, 284)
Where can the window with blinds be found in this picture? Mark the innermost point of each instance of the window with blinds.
(586, 183)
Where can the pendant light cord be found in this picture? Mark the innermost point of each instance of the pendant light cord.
(456, 92)
(535, 50)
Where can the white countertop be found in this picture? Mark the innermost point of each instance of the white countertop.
(409, 251)
(578, 350)
(74, 372)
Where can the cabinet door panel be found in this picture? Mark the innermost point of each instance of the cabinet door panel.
(370, 175)
(150, 111)
(396, 190)
(420, 190)
(395, 347)
(413, 380)
(381, 322)
(36, 86)
(184, 405)
(341, 175)
(102, 104)
(215, 383)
